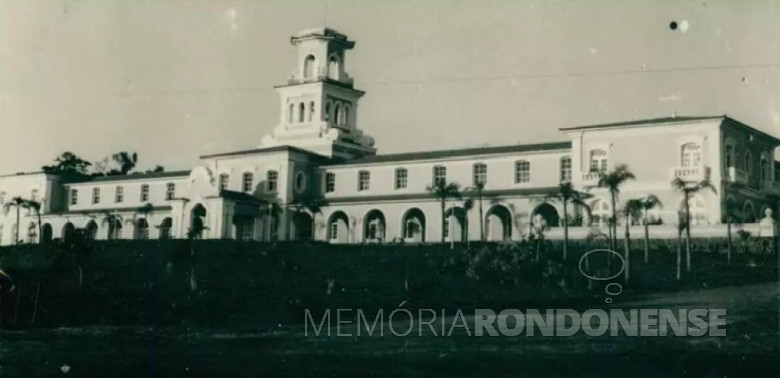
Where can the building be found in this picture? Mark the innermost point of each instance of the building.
(318, 154)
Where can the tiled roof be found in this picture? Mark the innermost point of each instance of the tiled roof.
(651, 121)
(426, 155)
(139, 176)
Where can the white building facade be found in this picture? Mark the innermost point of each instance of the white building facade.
(318, 155)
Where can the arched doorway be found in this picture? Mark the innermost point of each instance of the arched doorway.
(547, 215)
(197, 222)
(92, 230)
(750, 212)
(413, 225)
(68, 230)
(374, 226)
(165, 228)
(141, 231)
(338, 227)
(304, 225)
(458, 230)
(498, 223)
(114, 228)
(46, 233)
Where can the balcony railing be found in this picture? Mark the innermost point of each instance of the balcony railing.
(738, 176)
(590, 179)
(321, 75)
(770, 186)
(695, 173)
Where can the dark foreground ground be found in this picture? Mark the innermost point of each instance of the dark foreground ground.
(750, 349)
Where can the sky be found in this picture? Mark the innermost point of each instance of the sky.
(176, 79)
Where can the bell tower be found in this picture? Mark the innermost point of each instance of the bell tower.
(319, 102)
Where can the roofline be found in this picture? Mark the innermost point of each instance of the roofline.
(254, 151)
(642, 122)
(463, 152)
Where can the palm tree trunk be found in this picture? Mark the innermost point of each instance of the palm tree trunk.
(17, 225)
(679, 254)
(627, 243)
(565, 230)
(687, 236)
(728, 232)
(442, 220)
(481, 216)
(613, 224)
(40, 228)
(647, 239)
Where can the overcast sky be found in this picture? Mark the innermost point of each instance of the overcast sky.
(176, 79)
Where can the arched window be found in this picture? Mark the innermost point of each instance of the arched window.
(690, 155)
(565, 169)
(334, 67)
(764, 169)
(308, 67)
(291, 114)
(327, 111)
(598, 160)
(729, 156)
(247, 181)
(301, 112)
(346, 115)
(311, 111)
(522, 171)
(337, 114)
(750, 212)
(272, 181)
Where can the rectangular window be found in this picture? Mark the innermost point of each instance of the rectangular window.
(401, 178)
(119, 194)
(170, 191)
(364, 180)
(144, 193)
(598, 160)
(273, 181)
(480, 174)
(439, 175)
(95, 195)
(565, 169)
(330, 182)
(74, 197)
(223, 181)
(248, 182)
(522, 172)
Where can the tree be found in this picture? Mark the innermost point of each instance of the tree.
(468, 204)
(688, 189)
(632, 209)
(17, 202)
(442, 190)
(681, 225)
(648, 203)
(612, 181)
(68, 162)
(126, 161)
(35, 206)
(478, 188)
(731, 212)
(566, 194)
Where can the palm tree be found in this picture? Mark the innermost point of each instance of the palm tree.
(17, 202)
(36, 207)
(468, 204)
(648, 203)
(68, 162)
(566, 194)
(612, 181)
(730, 214)
(689, 189)
(478, 187)
(126, 161)
(632, 209)
(442, 191)
(681, 225)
